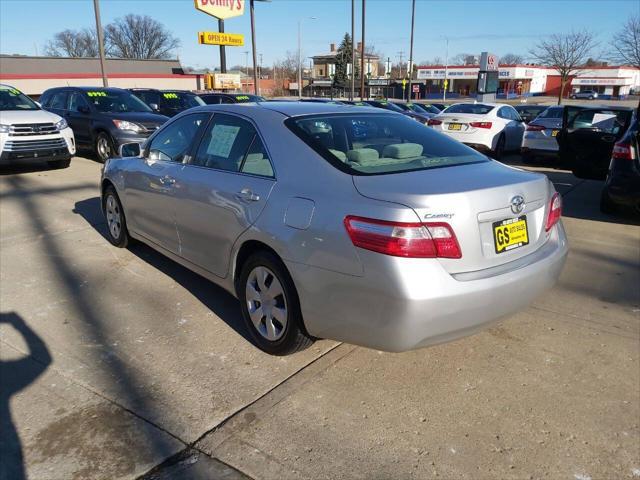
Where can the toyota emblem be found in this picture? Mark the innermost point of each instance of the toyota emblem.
(517, 204)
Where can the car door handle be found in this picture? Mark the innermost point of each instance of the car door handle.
(167, 181)
(248, 195)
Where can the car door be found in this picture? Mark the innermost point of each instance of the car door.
(78, 116)
(518, 127)
(151, 182)
(221, 191)
(588, 136)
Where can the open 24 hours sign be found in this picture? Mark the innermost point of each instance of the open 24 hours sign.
(221, 9)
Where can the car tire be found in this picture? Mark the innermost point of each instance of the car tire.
(590, 98)
(499, 150)
(103, 147)
(573, 97)
(606, 204)
(59, 163)
(117, 232)
(264, 287)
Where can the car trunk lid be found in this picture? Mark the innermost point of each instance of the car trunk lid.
(472, 199)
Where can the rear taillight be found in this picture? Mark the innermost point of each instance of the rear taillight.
(555, 211)
(480, 124)
(623, 151)
(433, 121)
(534, 128)
(400, 239)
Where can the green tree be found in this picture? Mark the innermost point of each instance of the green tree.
(343, 59)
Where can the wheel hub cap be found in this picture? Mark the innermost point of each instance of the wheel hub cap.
(114, 218)
(266, 303)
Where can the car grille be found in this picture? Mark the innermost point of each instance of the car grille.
(31, 145)
(30, 129)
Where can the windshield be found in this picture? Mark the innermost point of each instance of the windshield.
(116, 101)
(370, 144)
(13, 99)
(530, 110)
(248, 98)
(182, 100)
(551, 113)
(420, 107)
(477, 108)
(403, 107)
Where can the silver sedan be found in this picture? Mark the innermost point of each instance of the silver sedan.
(340, 222)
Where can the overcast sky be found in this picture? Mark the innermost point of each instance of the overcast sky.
(472, 26)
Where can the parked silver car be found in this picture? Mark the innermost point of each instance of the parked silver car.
(588, 94)
(354, 224)
(540, 136)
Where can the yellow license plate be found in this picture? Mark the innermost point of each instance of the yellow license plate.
(455, 126)
(511, 233)
(554, 133)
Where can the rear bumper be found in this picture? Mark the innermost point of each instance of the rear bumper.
(624, 190)
(402, 304)
(540, 146)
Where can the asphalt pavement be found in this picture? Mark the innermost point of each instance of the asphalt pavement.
(122, 364)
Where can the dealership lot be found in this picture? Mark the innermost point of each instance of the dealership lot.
(129, 360)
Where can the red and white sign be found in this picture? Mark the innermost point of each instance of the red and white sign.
(221, 8)
(416, 88)
(492, 62)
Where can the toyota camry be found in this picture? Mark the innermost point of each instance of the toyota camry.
(329, 221)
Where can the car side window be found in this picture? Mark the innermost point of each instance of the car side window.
(514, 114)
(504, 113)
(257, 160)
(58, 101)
(77, 100)
(225, 100)
(225, 143)
(174, 141)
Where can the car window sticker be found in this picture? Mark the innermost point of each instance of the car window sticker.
(222, 139)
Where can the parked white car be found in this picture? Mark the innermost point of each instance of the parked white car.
(489, 127)
(29, 133)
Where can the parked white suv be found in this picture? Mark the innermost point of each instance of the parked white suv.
(29, 133)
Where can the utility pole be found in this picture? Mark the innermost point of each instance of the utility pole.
(362, 53)
(96, 8)
(256, 85)
(400, 55)
(446, 68)
(300, 55)
(410, 74)
(353, 50)
(223, 55)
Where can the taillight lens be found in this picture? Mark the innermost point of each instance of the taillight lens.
(555, 211)
(480, 124)
(433, 121)
(623, 151)
(400, 239)
(534, 128)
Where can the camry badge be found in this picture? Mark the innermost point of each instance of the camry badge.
(517, 204)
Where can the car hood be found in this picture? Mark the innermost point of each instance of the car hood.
(12, 117)
(138, 117)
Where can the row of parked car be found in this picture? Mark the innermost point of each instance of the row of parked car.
(589, 140)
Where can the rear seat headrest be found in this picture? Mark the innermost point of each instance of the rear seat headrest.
(363, 155)
(402, 150)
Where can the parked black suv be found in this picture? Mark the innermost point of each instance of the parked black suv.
(216, 98)
(588, 135)
(168, 102)
(623, 180)
(102, 119)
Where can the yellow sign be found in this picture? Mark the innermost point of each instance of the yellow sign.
(404, 82)
(221, 8)
(446, 82)
(217, 38)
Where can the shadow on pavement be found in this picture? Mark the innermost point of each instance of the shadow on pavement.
(94, 327)
(215, 298)
(30, 167)
(14, 376)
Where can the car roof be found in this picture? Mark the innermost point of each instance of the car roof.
(288, 108)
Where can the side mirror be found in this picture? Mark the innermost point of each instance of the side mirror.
(154, 107)
(130, 150)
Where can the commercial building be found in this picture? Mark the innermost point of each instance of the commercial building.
(527, 80)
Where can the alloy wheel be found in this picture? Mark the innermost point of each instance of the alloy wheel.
(266, 303)
(114, 216)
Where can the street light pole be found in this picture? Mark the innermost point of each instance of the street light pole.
(362, 53)
(256, 86)
(300, 56)
(223, 54)
(446, 67)
(96, 8)
(353, 50)
(410, 73)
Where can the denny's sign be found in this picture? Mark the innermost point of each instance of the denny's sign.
(221, 9)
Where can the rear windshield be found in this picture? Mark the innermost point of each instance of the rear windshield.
(477, 108)
(374, 144)
(13, 99)
(551, 113)
(531, 110)
(116, 101)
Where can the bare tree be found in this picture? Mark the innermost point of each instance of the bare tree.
(511, 59)
(434, 61)
(73, 43)
(566, 52)
(464, 59)
(141, 37)
(626, 43)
